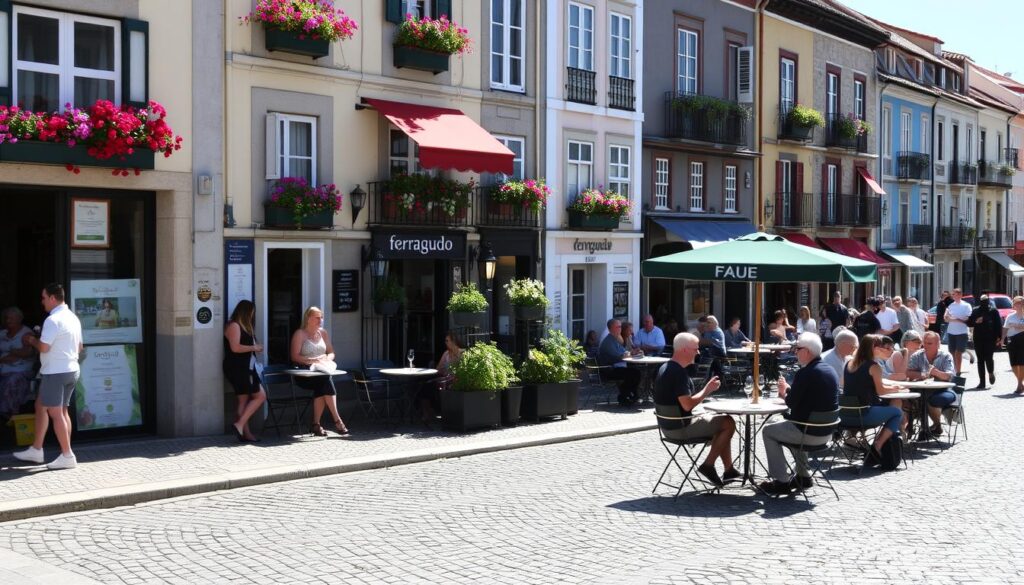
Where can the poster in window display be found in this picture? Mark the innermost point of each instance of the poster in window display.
(107, 393)
(110, 310)
(90, 223)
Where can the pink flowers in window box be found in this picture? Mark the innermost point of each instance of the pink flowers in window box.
(314, 19)
(440, 35)
(297, 195)
(594, 202)
(530, 194)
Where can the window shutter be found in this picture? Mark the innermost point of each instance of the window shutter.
(393, 11)
(443, 7)
(273, 123)
(824, 190)
(778, 176)
(745, 75)
(5, 52)
(134, 62)
(798, 178)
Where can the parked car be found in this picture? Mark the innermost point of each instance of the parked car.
(1002, 303)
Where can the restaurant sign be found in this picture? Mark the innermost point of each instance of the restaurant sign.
(421, 245)
(591, 246)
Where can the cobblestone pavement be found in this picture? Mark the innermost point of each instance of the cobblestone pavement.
(579, 512)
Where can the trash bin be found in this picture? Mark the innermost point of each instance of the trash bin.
(24, 428)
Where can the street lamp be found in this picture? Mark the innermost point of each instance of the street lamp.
(358, 199)
(488, 263)
(768, 208)
(373, 258)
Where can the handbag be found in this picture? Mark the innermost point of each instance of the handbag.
(255, 365)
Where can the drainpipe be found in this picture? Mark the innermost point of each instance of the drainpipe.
(537, 111)
(936, 212)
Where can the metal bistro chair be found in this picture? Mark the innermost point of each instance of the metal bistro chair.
(373, 394)
(595, 382)
(669, 426)
(850, 407)
(954, 413)
(281, 396)
(816, 454)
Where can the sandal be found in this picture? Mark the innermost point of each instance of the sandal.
(340, 427)
(318, 431)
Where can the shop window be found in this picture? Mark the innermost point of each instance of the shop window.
(291, 147)
(507, 44)
(618, 170)
(581, 36)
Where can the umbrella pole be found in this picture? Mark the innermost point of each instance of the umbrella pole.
(758, 291)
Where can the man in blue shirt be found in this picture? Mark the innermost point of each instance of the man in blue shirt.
(611, 352)
(650, 338)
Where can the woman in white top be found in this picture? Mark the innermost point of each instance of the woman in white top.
(16, 363)
(804, 322)
(312, 347)
(920, 316)
(1013, 326)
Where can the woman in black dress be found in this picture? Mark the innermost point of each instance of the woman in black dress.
(240, 349)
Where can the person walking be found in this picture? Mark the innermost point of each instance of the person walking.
(59, 346)
(1014, 341)
(957, 315)
(242, 369)
(940, 314)
(988, 333)
(837, 312)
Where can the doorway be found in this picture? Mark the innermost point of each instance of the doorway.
(293, 281)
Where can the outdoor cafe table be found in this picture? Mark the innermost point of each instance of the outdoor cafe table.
(307, 373)
(768, 352)
(408, 376)
(926, 388)
(743, 407)
(646, 364)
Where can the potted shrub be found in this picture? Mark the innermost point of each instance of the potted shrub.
(801, 122)
(550, 377)
(427, 44)
(468, 306)
(527, 297)
(295, 203)
(388, 297)
(302, 27)
(512, 199)
(594, 209)
(480, 374)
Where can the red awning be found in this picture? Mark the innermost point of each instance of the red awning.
(872, 183)
(448, 139)
(802, 239)
(854, 249)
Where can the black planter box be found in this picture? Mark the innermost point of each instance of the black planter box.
(596, 221)
(572, 396)
(475, 320)
(421, 59)
(511, 402)
(279, 217)
(530, 313)
(52, 153)
(545, 400)
(463, 411)
(289, 42)
(387, 308)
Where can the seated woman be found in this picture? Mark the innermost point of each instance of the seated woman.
(17, 360)
(862, 378)
(591, 343)
(107, 317)
(310, 347)
(628, 338)
(896, 364)
(883, 352)
(734, 337)
(776, 331)
(428, 396)
(804, 322)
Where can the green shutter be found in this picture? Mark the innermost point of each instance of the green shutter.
(6, 37)
(394, 11)
(443, 7)
(129, 26)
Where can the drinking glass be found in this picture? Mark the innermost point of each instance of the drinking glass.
(411, 356)
(760, 381)
(748, 386)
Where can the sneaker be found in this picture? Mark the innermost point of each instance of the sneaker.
(63, 462)
(32, 455)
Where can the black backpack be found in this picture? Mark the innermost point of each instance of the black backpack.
(891, 453)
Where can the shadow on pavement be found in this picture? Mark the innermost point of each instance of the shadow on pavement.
(722, 505)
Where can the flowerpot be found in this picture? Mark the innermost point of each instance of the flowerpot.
(476, 320)
(798, 132)
(530, 313)
(53, 153)
(421, 59)
(279, 217)
(470, 410)
(387, 308)
(511, 401)
(289, 42)
(595, 221)
(572, 396)
(544, 401)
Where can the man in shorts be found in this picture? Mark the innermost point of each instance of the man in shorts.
(675, 396)
(58, 345)
(957, 315)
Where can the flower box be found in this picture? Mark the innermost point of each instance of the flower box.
(421, 59)
(511, 402)
(470, 410)
(468, 320)
(289, 42)
(529, 313)
(34, 151)
(280, 217)
(594, 221)
(545, 400)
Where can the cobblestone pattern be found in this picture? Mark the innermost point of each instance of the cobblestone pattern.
(578, 512)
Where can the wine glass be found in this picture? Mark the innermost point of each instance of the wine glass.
(748, 386)
(760, 381)
(411, 356)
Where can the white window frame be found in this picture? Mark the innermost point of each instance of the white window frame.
(906, 131)
(685, 62)
(926, 146)
(923, 216)
(787, 84)
(662, 177)
(620, 50)
(618, 170)
(831, 194)
(517, 159)
(696, 186)
(970, 146)
(282, 155)
(507, 58)
(582, 168)
(858, 100)
(786, 202)
(415, 6)
(831, 94)
(581, 56)
(730, 174)
(65, 68)
(886, 132)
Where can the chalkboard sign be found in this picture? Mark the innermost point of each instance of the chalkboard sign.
(346, 291)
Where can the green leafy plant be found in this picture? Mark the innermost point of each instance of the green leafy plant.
(556, 360)
(483, 368)
(806, 117)
(851, 127)
(715, 109)
(388, 291)
(441, 35)
(531, 194)
(1007, 170)
(526, 292)
(593, 201)
(467, 299)
(418, 194)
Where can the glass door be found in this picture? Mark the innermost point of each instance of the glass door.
(578, 304)
(293, 281)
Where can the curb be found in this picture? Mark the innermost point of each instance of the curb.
(152, 491)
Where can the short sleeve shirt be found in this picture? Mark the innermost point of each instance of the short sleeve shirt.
(961, 310)
(672, 382)
(655, 338)
(887, 319)
(62, 331)
(919, 362)
(1014, 324)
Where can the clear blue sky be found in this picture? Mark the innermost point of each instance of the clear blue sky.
(988, 31)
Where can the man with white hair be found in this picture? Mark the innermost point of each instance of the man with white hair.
(845, 346)
(815, 389)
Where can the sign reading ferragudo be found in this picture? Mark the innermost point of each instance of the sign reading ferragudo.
(416, 245)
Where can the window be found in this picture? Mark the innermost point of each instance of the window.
(417, 8)
(517, 146)
(956, 82)
(970, 145)
(696, 186)
(403, 159)
(831, 94)
(64, 58)
(886, 132)
(732, 56)
(832, 187)
(942, 77)
(661, 183)
(890, 60)
(787, 84)
(294, 139)
(940, 136)
(906, 132)
(729, 205)
(618, 170)
(579, 167)
(924, 218)
(507, 44)
(859, 109)
(687, 42)
(581, 37)
(784, 207)
(926, 146)
(621, 45)
(982, 138)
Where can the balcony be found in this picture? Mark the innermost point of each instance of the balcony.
(620, 93)
(913, 166)
(386, 207)
(844, 132)
(790, 131)
(995, 174)
(851, 210)
(581, 88)
(905, 235)
(794, 210)
(996, 239)
(954, 237)
(962, 173)
(492, 213)
(706, 119)
(1012, 157)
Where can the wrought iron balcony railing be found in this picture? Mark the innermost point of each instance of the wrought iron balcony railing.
(904, 235)
(913, 165)
(842, 131)
(390, 207)
(995, 174)
(705, 118)
(1012, 157)
(996, 239)
(620, 93)
(794, 210)
(962, 173)
(954, 237)
(581, 87)
(850, 210)
(493, 213)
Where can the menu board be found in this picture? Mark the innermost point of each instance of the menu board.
(346, 290)
(107, 393)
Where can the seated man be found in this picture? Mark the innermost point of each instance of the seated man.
(611, 353)
(712, 346)
(845, 347)
(674, 388)
(933, 362)
(815, 389)
(650, 338)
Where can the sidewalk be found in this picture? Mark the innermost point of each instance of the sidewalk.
(126, 473)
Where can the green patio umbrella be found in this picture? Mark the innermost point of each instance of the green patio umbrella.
(759, 258)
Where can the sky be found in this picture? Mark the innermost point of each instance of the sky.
(985, 30)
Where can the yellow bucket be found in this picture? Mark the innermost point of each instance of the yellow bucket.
(24, 428)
